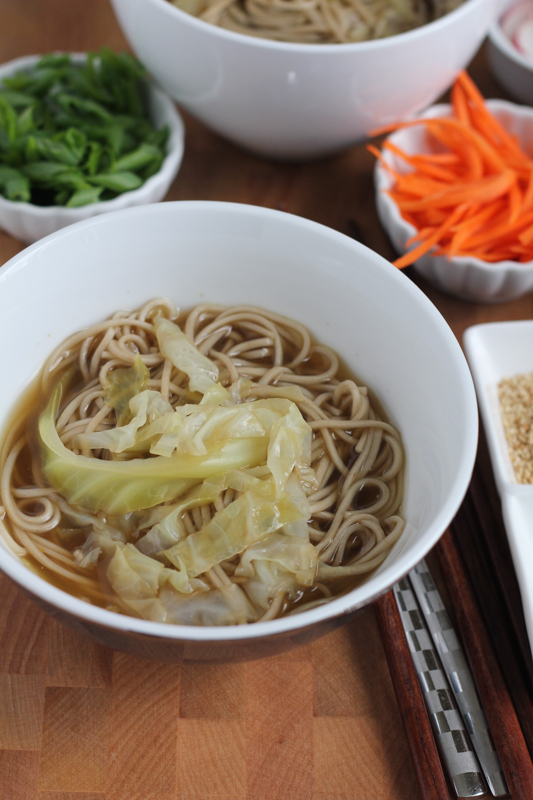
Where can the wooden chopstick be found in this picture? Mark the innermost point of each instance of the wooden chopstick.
(499, 709)
(415, 718)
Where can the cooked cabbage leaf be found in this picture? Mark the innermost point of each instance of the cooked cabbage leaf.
(146, 407)
(121, 385)
(245, 521)
(185, 356)
(226, 606)
(289, 552)
(166, 527)
(279, 563)
(135, 576)
(156, 592)
(119, 487)
(290, 444)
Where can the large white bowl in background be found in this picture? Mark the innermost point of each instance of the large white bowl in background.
(299, 100)
(464, 277)
(510, 68)
(29, 222)
(380, 323)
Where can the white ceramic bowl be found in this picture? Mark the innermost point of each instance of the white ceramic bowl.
(380, 323)
(467, 278)
(29, 223)
(510, 68)
(299, 100)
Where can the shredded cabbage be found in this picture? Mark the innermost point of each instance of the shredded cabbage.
(192, 454)
(227, 606)
(280, 563)
(149, 415)
(255, 514)
(174, 345)
(119, 487)
(156, 592)
(121, 385)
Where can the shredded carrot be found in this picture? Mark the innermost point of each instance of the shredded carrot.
(472, 196)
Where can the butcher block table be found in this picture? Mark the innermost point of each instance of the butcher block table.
(80, 722)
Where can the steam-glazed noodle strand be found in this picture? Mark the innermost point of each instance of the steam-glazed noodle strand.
(357, 458)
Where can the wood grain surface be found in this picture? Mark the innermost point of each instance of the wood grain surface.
(80, 722)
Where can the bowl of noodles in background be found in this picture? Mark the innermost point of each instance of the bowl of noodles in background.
(307, 98)
(370, 421)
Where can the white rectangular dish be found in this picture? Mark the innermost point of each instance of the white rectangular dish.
(495, 351)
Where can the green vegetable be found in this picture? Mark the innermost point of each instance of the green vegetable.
(173, 343)
(246, 521)
(121, 386)
(77, 133)
(137, 578)
(119, 487)
(14, 185)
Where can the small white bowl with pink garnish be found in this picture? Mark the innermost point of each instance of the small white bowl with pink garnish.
(510, 49)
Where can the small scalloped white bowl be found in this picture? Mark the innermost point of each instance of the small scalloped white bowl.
(464, 277)
(28, 222)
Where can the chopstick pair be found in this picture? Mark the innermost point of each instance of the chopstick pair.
(509, 737)
(456, 713)
(434, 656)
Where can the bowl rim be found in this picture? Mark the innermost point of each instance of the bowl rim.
(54, 596)
(500, 40)
(171, 162)
(382, 182)
(305, 47)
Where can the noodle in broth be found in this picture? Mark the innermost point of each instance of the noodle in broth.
(350, 485)
(318, 21)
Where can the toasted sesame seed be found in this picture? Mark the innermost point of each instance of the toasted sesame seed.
(516, 405)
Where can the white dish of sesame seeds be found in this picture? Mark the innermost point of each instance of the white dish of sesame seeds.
(500, 356)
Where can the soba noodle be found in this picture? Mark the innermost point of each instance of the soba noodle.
(318, 21)
(316, 515)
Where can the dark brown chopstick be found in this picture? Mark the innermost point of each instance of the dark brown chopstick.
(415, 719)
(499, 709)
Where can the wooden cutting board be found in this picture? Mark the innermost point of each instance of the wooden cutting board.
(81, 722)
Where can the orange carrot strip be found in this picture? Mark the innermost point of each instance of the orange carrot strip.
(474, 194)
(471, 160)
(501, 136)
(379, 155)
(422, 234)
(459, 103)
(445, 124)
(528, 196)
(515, 203)
(485, 190)
(472, 225)
(414, 255)
(416, 161)
(417, 185)
(499, 232)
(526, 237)
(437, 158)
